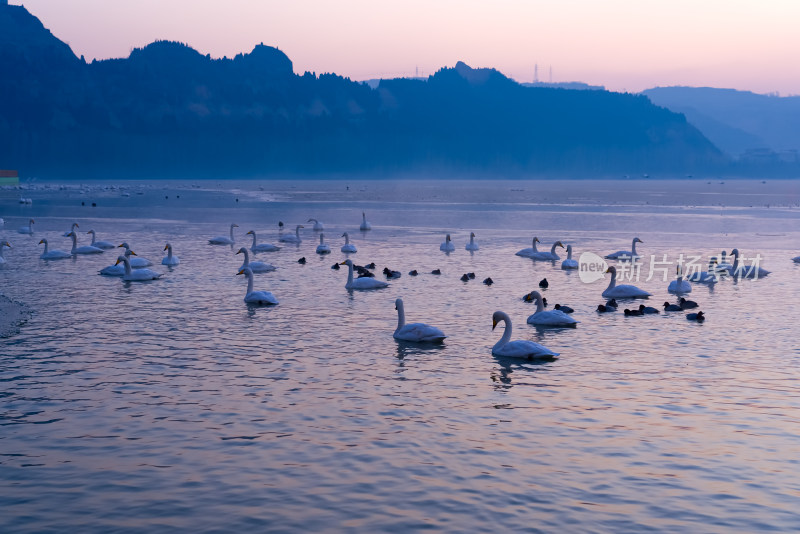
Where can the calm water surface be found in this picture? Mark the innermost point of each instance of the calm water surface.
(172, 405)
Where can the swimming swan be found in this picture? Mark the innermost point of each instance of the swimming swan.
(264, 298)
(137, 275)
(137, 262)
(679, 285)
(27, 229)
(318, 226)
(348, 248)
(222, 240)
(360, 283)
(261, 247)
(256, 266)
(323, 247)
(472, 245)
(72, 229)
(169, 259)
(364, 224)
(293, 238)
(740, 271)
(84, 249)
(544, 317)
(54, 254)
(117, 269)
(548, 256)
(624, 291)
(626, 254)
(419, 332)
(100, 244)
(529, 252)
(569, 263)
(505, 348)
(447, 245)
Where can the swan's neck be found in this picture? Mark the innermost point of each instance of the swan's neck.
(127, 265)
(506, 334)
(249, 282)
(613, 280)
(254, 239)
(246, 258)
(346, 239)
(472, 240)
(539, 305)
(94, 238)
(735, 261)
(569, 252)
(45, 249)
(553, 249)
(232, 233)
(349, 273)
(534, 245)
(401, 316)
(297, 232)
(169, 252)
(2, 248)
(633, 248)
(321, 239)
(74, 243)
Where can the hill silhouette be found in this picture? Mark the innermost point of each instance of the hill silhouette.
(169, 111)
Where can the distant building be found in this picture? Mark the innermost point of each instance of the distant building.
(8, 177)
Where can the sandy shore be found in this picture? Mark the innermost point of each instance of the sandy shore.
(12, 315)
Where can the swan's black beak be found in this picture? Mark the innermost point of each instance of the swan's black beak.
(494, 324)
(343, 263)
(117, 262)
(133, 253)
(240, 272)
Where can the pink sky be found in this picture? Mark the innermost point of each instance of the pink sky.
(622, 44)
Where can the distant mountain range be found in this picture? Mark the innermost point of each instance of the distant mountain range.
(740, 123)
(168, 111)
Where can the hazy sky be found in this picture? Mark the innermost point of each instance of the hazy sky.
(622, 44)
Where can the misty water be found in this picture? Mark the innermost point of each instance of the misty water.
(173, 405)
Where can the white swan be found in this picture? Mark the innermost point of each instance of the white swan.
(100, 244)
(318, 226)
(293, 238)
(740, 271)
(679, 285)
(137, 262)
(323, 247)
(569, 263)
(117, 269)
(519, 348)
(419, 332)
(544, 317)
(27, 229)
(264, 298)
(624, 291)
(626, 254)
(54, 254)
(711, 276)
(348, 247)
(548, 256)
(448, 245)
(86, 249)
(261, 247)
(472, 245)
(360, 283)
(222, 240)
(3, 246)
(256, 266)
(169, 259)
(364, 224)
(530, 252)
(72, 229)
(722, 263)
(137, 275)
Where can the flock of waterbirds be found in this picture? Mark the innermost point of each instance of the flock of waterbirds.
(132, 268)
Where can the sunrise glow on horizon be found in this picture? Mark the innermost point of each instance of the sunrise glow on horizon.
(620, 44)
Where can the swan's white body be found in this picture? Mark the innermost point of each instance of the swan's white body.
(740, 271)
(54, 254)
(292, 238)
(679, 285)
(100, 244)
(86, 249)
(222, 240)
(117, 269)
(472, 245)
(528, 350)
(623, 291)
(318, 226)
(711, 276)
(448, 245)
(626, 254)
(137, 262)
(136, 275)
(170, 259)
(544, 317)
(569, 263)
(264, 298)
(364, 224)
(5, 245)
(323, 247)
(548, 256)
(256, 266)
(361, 283)
(530, 252)
(419, 332)
(348, 247)
(72, 229)
(27, 229)
(262, 247)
